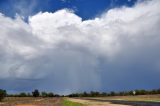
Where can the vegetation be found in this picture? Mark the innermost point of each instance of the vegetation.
(48, 94)
(112, 93)
(69, 103)
(35, 93)
(22, 94)
(3, 93)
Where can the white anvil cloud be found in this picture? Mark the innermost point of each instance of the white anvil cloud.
(63, 53)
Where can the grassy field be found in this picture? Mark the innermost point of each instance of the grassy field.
(70, 103)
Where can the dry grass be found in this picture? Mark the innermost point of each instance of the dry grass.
(31, 101)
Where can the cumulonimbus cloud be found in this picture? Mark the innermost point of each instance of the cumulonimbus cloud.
(60, 52)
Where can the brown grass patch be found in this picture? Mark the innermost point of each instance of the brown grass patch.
(25, 105)
(31, 101)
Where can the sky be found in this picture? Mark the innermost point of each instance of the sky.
(67, 46)
(86, 9)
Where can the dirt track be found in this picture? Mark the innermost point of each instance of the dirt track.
(95, 103)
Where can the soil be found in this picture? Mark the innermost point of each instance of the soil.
(95, 103)
(31, 101)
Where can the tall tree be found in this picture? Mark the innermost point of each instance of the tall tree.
(35, 93)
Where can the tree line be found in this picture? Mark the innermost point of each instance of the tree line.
(36, 93)
(112, 93)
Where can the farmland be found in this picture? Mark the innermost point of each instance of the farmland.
(143, 100)
(31, 101)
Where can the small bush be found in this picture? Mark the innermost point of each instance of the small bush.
(2, 94)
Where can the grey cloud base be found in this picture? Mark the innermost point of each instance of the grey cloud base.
(118, 50)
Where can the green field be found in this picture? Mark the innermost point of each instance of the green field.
(70, 103)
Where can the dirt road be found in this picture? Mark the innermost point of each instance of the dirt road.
(94, 102)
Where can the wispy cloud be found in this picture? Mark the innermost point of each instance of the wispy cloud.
(24, 7)
(65, 1)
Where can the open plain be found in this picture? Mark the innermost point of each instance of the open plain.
(141, 100)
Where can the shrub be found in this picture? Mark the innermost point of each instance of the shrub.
(22, 94)
(2, 94)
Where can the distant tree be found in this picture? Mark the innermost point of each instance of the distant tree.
(35, 93)
(103, 94)
(153, 91)
(130, 92)
(3, 93)
(97, 94)
(22, 94)
(50, 94)
(44, 94)
(112, 93)
(158, 91)
(74, 95)
(142, 92)
(121, 93)
(85, 94)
